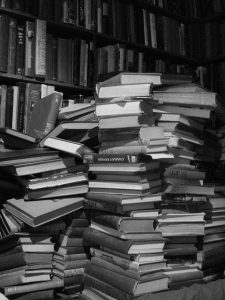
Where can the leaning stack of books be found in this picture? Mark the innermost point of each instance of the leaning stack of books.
(71, 254)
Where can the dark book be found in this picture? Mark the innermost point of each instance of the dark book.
(94, 158)
(47, 109)
(76, 61)
(49, 57)
(32, 96)
(11, 68)
(4, 39)
(9, 107)
(74, 131)
(34, 213)
(44, 294)
(17, 140)
(29, 48)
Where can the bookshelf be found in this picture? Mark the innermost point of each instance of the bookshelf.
(92, 23)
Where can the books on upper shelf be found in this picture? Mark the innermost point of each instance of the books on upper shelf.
(74, 148)
(35, 213)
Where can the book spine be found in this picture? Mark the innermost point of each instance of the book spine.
(29, 49)
(88, 18)
(76, 61)
(40, 48)
(111, 158)
(89, 204)
(4, 37)
(3, 105)
(21, 108)
(11, 68)
(15, 107)
(73, 272)
(20, 50)
(9, 107)
(32, 95)
(49, 57)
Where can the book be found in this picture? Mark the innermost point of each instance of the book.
(143, 133)
(125, 90)
(75, 111)
(190, 189)
(94, 158)
(75, 131)
(121, 203)
(126, 121)
(4, 39)
(20, 50)
(124, 224)
(47, 108)
(40, 48)
(38, 286)
(17, 140)
(34, 213)
(123, 108)
(132, 286)
(144, 149)
(25, 168)
(68, 190)
(124, 168)
(74, 148)
(11, 157)
(155, 78)
(29, 48)
(11, 66)
(96, 237)
(54, 181)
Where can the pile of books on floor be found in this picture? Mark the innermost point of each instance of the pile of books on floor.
(185, 113)
(52, 184)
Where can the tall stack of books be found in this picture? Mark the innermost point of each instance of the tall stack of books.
(124, 190)
(188, 115)
(71, 254)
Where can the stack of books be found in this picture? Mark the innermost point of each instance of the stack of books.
(124, 190)
(52, 185)
(71, 254)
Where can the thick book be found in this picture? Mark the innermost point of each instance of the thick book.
(124, 108)
(20, 50)
(4, 39)
(44, 115)
(94, 158)
(75, 111)
(11, 67)
(126, 90)
(34, 213)
(124, 224)
(128, 285)
(96, 237)
(74, 148)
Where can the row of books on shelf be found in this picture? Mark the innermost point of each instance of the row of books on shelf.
(119, 57)
(28, 50)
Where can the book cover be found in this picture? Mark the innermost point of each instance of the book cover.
(35, 214)
(4, 39)
(47, 109)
